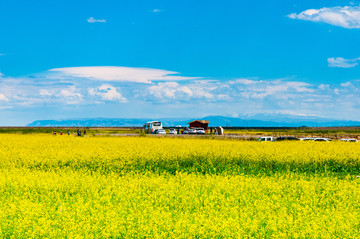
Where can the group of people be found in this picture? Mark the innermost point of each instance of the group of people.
(68, 133)
(79, 132)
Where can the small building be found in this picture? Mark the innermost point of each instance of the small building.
(199, 124)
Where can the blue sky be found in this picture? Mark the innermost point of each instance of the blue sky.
(80, 59)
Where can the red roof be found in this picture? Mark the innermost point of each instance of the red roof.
(201, 121)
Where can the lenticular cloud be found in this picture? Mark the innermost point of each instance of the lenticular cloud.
(119, 74)
(347, 17)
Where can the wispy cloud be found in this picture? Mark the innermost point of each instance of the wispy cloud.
(157, 10)
(275, 89)
(241, 90)
(118, 74)
(93, 20)
(347, 17)
(346, 84)
(342, 62)
(3, 97)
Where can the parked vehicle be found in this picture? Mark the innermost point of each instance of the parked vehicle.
(306, 139)
(286, 138)
(266, 139)
(200, 131)
(172, 131)
(322, 139)
(349, 140)
(159, 131)
(192, 131)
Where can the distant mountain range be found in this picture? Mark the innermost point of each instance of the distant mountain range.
(260, 120)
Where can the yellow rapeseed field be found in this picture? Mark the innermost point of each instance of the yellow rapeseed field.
(126, 187)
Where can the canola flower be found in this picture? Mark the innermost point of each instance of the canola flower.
(100, 187)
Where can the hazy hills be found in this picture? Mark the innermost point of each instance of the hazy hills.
(260, 120)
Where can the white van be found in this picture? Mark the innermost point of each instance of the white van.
(266, 138)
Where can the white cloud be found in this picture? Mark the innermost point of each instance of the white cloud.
(69, 86)
(342, 63)
(244, 81)
(169, 90)
(3, 97)
(118, 74)
(107, 93)
(70, 95)
(174, 91)
(230, 91)
(157, 10)
(276, 89)
(44, 92)
(346, 84)
(324, 86)
(93, 20)
(347, 17)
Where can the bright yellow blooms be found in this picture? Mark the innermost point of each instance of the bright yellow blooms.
(95, 187)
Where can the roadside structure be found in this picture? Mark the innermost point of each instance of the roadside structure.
(199, 124)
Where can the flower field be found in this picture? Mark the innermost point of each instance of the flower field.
(75, 187)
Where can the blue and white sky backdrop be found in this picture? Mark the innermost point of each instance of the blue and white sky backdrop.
(158, 58)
